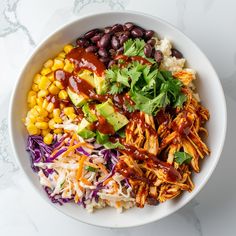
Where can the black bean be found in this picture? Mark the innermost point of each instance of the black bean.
(176, 53)
(111, 63)
(149, 34)
(153, 52)
(105, 40)
(102, 52)
(148, 50)
(107, 29)
(158, 56)
(117, 28)
(112, 52)
(120, 50)
(127, 33)
(123, 38)
(96, 37)
(91, 33)
(91, 49)
(82, 42)
(128, 26)
(137, 32)
(104, 60)
(115, 42)
(152, 42)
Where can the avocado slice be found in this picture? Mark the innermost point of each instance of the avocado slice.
(87, 76)
(100, 84)
(116, 119)
(77, 99)
(105, 109)
(84, 129)
(88, 113)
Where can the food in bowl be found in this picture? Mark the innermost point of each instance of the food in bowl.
(114, 120)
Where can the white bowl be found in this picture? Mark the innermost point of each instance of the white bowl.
(208, 86)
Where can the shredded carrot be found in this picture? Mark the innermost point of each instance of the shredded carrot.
(115, 186)
(80, 169)
(81, 188)
(107, 181)
(85, 181)
(76, 198)
(72, 140)
(103, 168)
(118, 204)
(70, 149)
(91, 164)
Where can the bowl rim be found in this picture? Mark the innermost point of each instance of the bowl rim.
(99, 14)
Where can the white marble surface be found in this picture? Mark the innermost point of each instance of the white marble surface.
(210, 23)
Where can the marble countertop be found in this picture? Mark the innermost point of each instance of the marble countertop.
(210, 23)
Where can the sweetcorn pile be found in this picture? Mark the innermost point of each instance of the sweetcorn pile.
(42, 114)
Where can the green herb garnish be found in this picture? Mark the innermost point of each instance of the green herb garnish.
(149, 87)
(90, 168)
(182, 157)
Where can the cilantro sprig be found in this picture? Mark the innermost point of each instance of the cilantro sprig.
(182, 157)
(149, 87)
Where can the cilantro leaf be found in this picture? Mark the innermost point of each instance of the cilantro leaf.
(90, 168)
(133, 47)
(123, 77)
(180, 100)
(116, 88)
(182, 157)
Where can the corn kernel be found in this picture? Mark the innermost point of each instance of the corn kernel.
(40, 119)
(44, 83)
(39, 101)
(38, 109)
(57, 131)
(53, 89)
(72, 116)
(45, 132)
(43, 113)
(37, 78)
(43, 93)
(68, 48)
(41, 125)
(59, 84)
(48, 63)
(32, 101)
(57, 120)
(51, 124)
(56, 112)
(63, 94)
(35, 87)
(34, 112)
(32, 129)
(58, 64)
(45, 71)
(31, 93)
(51, 76)
(61, 55)
(45, 104)
(69, 67)
(50, 115)
(50, 107)
(69, 110)
(48, 139)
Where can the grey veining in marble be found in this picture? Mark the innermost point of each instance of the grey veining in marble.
(9, 22)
